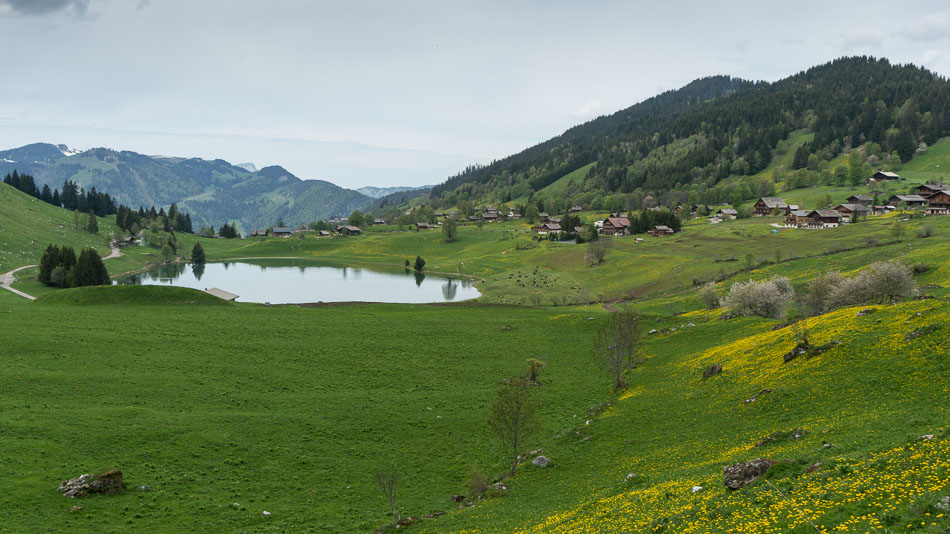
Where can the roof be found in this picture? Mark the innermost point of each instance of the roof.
(852, 207)
(773, 202)
(552, 226)
(800, 213)
(324, 232)
(887, 174)
(830, 214)
(618, 222)
(663, 228)
(220, 293)
(282, 230)
(727, 211)
(910, 198)
(934, 187)
(860, 197)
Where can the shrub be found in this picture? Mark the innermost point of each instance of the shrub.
(767, 298)
(819, 289)
(889, 281)
(708, 296)
(477, 483)
(848, 292)
(919, 268)
(925, 231)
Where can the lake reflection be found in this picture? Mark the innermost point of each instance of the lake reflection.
(299, 283)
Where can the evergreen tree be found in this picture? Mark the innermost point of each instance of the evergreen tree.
(197, 253)
(50, 260)
(88, 271)
(92, 226)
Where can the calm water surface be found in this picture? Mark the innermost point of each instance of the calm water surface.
(294, 284)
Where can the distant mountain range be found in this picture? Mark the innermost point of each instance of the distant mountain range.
(213, 191)
(380, 192)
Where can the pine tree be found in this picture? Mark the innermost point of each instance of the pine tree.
(197, 253)
(93, 225)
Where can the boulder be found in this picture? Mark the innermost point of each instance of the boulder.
(541, 461)
(743, 473)
(434, 514)
(712, 370)
(458, 498)
(108, 483)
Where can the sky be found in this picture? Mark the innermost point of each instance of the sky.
(388, 93)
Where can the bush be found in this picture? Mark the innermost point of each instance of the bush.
(819, 291)
(708, 296)
(925, 231)
(768, 298)
(477, 483)
(919, 268)
(882, 282)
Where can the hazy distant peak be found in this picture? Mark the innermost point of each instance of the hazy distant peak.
(68, 151)
(249, 167)
(380, 192)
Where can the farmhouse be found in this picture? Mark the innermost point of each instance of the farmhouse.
(797, 219)
(379, 221)
(769, 206)
(926, 190)
(849, 211)
(939, 203)
(881, 210)
(911, 201)
(546, 228)
(883, 176)
(282, 232)
(659, 231)
(323, 233)
(726, 213)
(860, 199)
(426, 226)
(347, 230)
(615, 226)
(824, 219)
(576, 209)
(543, 216)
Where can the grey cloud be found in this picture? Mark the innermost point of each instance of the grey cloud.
(933, 27)
(41, 7)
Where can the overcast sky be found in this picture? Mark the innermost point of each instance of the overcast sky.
(399, 92)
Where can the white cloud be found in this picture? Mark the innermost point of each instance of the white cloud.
(933, 27)
(863, 39)
(929, 57)
(589, 110)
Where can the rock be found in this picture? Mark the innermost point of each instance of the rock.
(712, 370)
(236, 504)
(75, 508)
(458, 498)
(743, 473)
(145, 488)
(755, 397)
(108, 483)
(813, 467)
(434, 514)
(801, 348)
(697, 489)
(653, 331)
(926, 437)
(265, 513)
(406, 521)
(541, 461)
(864, 312)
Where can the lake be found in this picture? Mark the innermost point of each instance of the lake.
(299, 283)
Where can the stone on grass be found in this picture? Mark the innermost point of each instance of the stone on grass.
(541, 461)
(743, 473)
(108, 483)
(712, 370)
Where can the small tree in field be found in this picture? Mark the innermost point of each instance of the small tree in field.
(513, 416)
(197, 253)
(450, 230)
(387, 481)
(420, 264)
(597, 251)
(708, 296)
(535, 366)
(617, 343)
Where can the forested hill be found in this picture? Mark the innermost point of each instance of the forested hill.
(718, 127)
(212, 191)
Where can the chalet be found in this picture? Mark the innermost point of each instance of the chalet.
(849, 211)
(726, 213)
(882, 210)
(638, 240)
(911, 201)
(323, 233)
(939, 203)
(546, 228)
(490, 216)
(860, 199)
(824, 219)
(426, 226)
(615, 226)
(554, 220)
(348, 230)
(125, 242)
(790, 208)
(258, 233)
(798, 219)
(282, 232)
(883, 176)
(769, 206)
(659, 231)
(543, 216)
(379, 221)
(513, 215)
(926, 190)
(576, 209)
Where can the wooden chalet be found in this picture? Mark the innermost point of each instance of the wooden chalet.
(882, 210)
(348, 230)
(282, 232)
(939, 203)
(660, 231)
(797, 219)
(426, 226)
(849, 211)
(726, 213)
(860, 199)
(543, 216)
(323, 233)
(616, 226)
(824, 219)
(925, 190)
(546, 228)
(379, 221)
(883, 176)
(912, 201)
(769, 206)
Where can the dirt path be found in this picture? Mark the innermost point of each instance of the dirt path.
(7, 279)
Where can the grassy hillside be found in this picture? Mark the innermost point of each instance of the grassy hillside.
(28, 225)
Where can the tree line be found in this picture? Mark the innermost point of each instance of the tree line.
(73, 197)
(59, 267)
